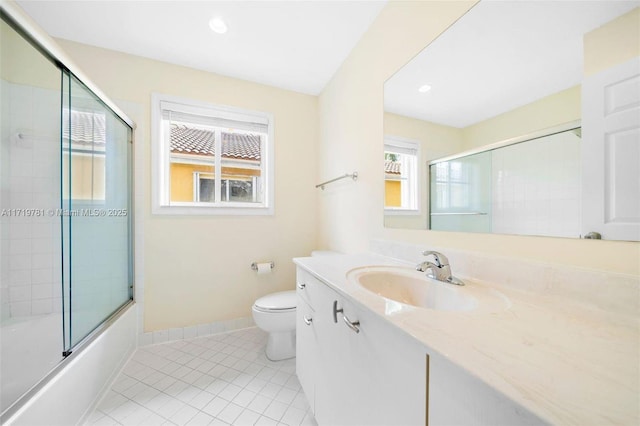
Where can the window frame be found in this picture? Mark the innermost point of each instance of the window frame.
(160, 166)
(404, 144)
(197, 177)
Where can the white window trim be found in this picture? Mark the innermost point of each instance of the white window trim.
(401, 143)
(160, 164)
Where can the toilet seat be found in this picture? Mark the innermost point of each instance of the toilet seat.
(283, 301)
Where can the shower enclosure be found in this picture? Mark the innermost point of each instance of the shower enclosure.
(66, 220)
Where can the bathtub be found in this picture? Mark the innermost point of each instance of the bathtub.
(73, 388)
(30, 348)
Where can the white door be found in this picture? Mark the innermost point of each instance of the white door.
(611, 152)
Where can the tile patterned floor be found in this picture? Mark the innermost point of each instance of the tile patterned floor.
(223, 379)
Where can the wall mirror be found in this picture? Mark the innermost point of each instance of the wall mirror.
(494, 126)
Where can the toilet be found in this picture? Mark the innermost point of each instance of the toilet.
(275, 313)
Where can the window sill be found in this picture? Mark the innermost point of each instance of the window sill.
(193, 210)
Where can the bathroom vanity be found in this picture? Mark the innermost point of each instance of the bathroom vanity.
(354, 367)
(511, 358)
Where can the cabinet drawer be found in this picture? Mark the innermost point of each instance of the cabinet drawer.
(308, 288)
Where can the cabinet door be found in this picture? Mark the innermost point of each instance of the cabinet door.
(457, 397)
(306, 349)
(333, 382)
(389, 372)
(376, 376)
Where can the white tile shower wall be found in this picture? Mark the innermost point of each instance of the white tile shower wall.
(31, 246)
(614, 292)
(536, 187)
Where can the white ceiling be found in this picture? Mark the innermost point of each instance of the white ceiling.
(294, 45)
(499, 56)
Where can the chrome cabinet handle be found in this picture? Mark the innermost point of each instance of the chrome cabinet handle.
(301, 286)
(306, 320)
(355, 325)
(336, 311)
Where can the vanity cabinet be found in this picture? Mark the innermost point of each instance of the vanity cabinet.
(370, 373)
(381, 375)
(306, 343)
(457, 397)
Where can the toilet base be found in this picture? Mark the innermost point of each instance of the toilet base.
(281, 345)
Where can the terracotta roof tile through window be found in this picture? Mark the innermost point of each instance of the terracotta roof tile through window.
(392, 167)
(198, 141)
(88, 129)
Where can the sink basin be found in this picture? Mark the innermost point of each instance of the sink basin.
(411, 287)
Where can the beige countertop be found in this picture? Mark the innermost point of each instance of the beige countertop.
(566, 362)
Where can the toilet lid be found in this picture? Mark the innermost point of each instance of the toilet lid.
(277, 301)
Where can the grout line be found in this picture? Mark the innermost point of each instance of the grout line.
(236, 344)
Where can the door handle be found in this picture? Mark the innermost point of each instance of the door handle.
(306, 320)
(301, 286)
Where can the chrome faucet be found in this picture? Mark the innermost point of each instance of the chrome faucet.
(439, 268)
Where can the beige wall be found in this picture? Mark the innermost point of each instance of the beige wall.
(550, 111)
(351, 122)
(351, 119)
(613, 43)
(197, 268)
(435, 141)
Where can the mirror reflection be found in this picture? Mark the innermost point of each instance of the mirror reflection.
(493, 81)
(528, 188)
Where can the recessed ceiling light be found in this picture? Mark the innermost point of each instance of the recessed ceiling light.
(424, 88)
(218, 25)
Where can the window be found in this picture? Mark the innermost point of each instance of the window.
(401, 176)
(204, 187)
(211, 159)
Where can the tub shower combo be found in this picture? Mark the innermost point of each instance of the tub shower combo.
(66, 212)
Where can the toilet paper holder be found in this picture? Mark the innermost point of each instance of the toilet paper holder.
(254, 265)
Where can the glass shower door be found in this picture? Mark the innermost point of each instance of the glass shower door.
(461, 194)
(30, 300)
(96, 189)
(66, 262)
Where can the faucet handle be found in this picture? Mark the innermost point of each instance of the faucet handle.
(440, 259)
